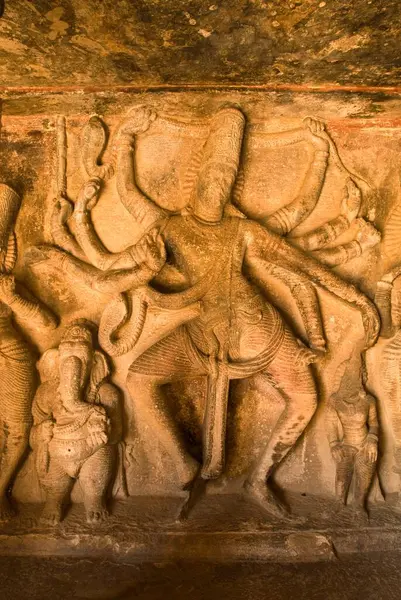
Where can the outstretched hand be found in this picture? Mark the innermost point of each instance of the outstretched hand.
(316, 133)
(151, 251)
(138, 120)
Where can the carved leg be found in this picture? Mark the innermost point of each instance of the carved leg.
(58, 487)
(344, 473)
(14, 443)
(95, 478)
(150, 410)
(295, 382)
(364, 471)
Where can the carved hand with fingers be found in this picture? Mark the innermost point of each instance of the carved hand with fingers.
(138, 121)
(316, 133)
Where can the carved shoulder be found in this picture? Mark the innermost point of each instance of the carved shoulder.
(109, 396)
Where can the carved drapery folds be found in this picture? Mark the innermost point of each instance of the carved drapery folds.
(178, 277)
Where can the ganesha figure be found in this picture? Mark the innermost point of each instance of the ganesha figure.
(204, 312)
(77, 425)
(17, 357)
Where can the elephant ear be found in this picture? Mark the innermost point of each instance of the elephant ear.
(48, 365)
(100, 371)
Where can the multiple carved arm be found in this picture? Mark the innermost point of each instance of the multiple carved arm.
(110, 272)
(388, 309)
(265, 248)
(284, 220)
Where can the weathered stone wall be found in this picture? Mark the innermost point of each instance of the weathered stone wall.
(366, 131)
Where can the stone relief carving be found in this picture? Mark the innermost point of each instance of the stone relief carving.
(353, 434)
(77, 423)
(204, 313)
(17, 358)
(189, 302)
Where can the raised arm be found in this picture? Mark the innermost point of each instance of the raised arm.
(330, 231)
(264, 248)
(285, 219)
(143, 209)
(61, 233)
(93, 248)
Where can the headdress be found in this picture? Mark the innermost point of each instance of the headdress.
(224, 141)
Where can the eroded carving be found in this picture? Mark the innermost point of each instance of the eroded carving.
(17, 358)
(204, 313)
(353, 434)
(77, 424)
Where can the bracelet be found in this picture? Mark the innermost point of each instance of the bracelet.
(385, 285)
(322, 154)
(81, 215)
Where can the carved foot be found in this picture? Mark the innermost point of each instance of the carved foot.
(261, 494)
(188, 473)
(6, 510)
(96, 513)
(196, 492)
(52, 514)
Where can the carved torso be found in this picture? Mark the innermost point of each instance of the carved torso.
(236, 321)
(354, 418)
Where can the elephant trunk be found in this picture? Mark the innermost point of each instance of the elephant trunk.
(121, 324)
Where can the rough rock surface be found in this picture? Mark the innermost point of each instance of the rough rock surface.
(238, 42)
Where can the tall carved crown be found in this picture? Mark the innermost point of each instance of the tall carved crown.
(224, 142)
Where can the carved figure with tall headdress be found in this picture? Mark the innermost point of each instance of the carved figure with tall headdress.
(204, 313)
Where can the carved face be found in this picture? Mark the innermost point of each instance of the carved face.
(214, 187)
(77, 349)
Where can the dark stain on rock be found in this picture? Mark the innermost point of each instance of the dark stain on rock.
(179, 42)
(279, 450)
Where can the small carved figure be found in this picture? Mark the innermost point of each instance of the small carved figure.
(77, 424)
(353, 434)
(17, 358)
(388, 302)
